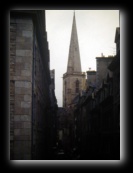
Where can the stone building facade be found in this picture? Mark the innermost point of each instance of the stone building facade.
(73, 79)
(29, 85)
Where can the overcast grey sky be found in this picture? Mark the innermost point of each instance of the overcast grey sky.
(96, 33)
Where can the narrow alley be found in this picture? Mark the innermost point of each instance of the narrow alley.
(87, 126)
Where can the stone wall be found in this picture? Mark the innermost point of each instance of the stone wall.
(21, 55)
(12, 82)
(30, 106)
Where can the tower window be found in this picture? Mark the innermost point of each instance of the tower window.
(77, 86)
(69, 91)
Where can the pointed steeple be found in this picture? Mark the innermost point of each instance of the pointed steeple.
(74, 64)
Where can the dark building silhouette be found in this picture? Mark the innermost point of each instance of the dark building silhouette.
(115, 68)
(97, 114)
(52, 123)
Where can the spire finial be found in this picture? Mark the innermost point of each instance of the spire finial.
(73, 14)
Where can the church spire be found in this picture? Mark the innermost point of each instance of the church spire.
(74, 64)
(73, 79)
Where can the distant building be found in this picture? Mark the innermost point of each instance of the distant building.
(52, 89)
(29, 86)
(91, 78)
(73, 79)
(102, 63)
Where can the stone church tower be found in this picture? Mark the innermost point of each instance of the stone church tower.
(73, 79)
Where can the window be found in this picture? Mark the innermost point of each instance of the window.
(68, 91)
(77, 86)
